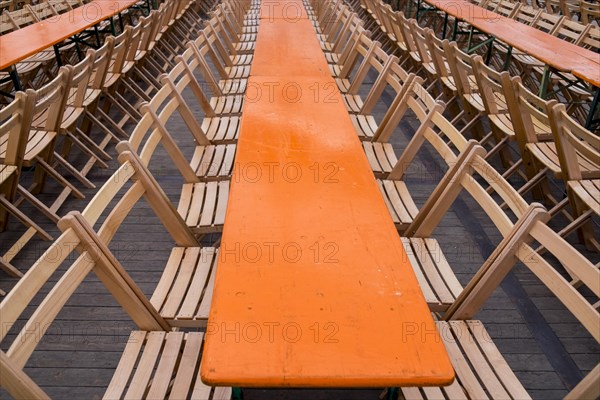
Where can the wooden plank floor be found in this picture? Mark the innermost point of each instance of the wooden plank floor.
(77, 356)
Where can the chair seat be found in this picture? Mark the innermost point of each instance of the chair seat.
(231, 104)
(335, 70)
(588, 191)
(202, 206)
(353, 102)
(546, 154)
(250, 29)
(213, 162)
(332, 58)
(365, 125)
(160, 365)
(233, 86)
(70, 116)
(38, 142)
(238, 71)
(343, 85)
(221, 130)
(242, 59)
(527, 60)
(381, 157)
(247, 37)
(6, 172)
(504, 123)
(399, 202)
(245, 47)
(436, 278)
(481, 371)
(184, 292)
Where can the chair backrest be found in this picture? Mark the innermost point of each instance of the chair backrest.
(461, 66)
(571, 31)
(392, 79)
(492, 85)
(102, 58)
(15, 120)
(432, 127)
(418, 35)
(377, 62)
(531, 116)
(548, 22)
(546, 265)
(152, 128)
(439, 58)
(360, 52)
(590, 11)
(508, 8)
(527, 15)
(572, 139)
(590, 39)
(119, 52)
(50, 101)
(41, 10)
(81, 74)
(79, 236)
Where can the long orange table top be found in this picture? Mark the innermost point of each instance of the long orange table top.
(25, 42)
(551, 50)
(313, 287)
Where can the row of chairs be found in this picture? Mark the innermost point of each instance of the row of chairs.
(476, 93)
(96, 93)
(466, 167)
(162, 359)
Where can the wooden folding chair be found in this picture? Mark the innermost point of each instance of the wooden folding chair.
(590, 11)
(210, 161)
(433, 129)
(156, 361)
(546, 266)
(541, 156)
(222, 103)
(393, 79)
(15, 120)
(574, 142)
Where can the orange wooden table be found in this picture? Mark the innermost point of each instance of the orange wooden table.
(313, 287)
(27, 41)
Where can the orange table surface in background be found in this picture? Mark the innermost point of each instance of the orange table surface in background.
(25, 42)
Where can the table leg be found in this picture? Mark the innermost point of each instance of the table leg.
(544, 82)
(57, 55)
(445, 26)
(590, 121)
(392, 393)
(418, 8)
(507, 61)
(14, 75)
(237, 394)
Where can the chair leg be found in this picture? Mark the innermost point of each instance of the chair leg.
(73, 171)
(25, 220)
(26, 195)
(9, 268)
(58, 177)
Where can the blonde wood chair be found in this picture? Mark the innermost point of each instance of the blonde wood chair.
(203, 199)
(574, 142)
(155, 356)
(435, 131)
(393, 80)
(546, 267)
(15, 120)
(541, 156)
(226, 103)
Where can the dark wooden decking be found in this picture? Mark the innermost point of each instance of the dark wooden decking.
(544, 345)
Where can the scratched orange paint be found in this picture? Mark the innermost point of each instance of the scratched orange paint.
(313, 287)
